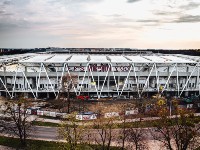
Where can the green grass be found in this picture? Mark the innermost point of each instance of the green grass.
(45, 145)
(138, 124)
(145, 124)
(46, 124)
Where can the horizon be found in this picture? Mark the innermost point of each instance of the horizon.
(135, 24)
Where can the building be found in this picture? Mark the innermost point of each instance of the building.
(131, 75)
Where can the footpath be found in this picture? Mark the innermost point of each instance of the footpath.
(36, 118)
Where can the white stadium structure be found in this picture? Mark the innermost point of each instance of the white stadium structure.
(39, 75)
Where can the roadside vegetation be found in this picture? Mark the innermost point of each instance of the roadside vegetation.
(45, 124)
(45, 145)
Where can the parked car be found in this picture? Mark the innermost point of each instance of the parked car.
(82, 97)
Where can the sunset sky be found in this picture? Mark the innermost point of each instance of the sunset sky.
(167, 24)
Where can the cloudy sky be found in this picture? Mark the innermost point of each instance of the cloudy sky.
(100, 23)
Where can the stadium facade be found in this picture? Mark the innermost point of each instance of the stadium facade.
(40, 75)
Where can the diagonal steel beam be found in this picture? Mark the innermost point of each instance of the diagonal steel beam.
(198, 78)
(114, 78)
(136, 80)
(157, 77)
(38, 83)
(188, 79)
(126, 79)
(29, 84)
(177, 79)
(168, 78)
(5, 87)
(60, 84)
(16, 71)
(93, 81)
(148, 78)
(105, 80)
(71, 80)
(49, 79)
(86, 68)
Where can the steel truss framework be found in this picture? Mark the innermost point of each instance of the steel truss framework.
(88, 73)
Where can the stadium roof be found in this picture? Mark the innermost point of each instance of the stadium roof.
(83, 58)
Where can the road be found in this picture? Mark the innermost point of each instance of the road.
(51, 133)
(45, 133)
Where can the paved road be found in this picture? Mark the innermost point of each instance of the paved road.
(46, 133)
(51, 133)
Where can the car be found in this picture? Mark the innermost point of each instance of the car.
(82, 97)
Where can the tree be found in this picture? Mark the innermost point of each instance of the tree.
(180, 132)
(71, 132)
(68, 83)
(16, 121)
(136, 137)
(123, 133)
(104, 132)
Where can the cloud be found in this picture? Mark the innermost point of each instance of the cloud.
(133, 1)
(6, 2)
(148, 21)
(188, 19)
(191, 5)
(166, 13)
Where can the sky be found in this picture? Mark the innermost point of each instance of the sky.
(165, 24)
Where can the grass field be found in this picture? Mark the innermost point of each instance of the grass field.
(45, 145)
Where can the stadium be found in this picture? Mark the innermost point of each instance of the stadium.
(39, 75)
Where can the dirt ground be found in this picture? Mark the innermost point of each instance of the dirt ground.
(2, 100)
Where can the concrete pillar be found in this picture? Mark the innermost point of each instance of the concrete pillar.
(167, 77)
(186, 93)
(187, 71)
(25, 95)
(108, 82)
(47, 94)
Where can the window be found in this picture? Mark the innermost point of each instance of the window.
(193, 85)
(181, 85)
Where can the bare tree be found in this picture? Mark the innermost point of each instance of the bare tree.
(71, 132)
(123, 132)
(180, 132)
(136, 137)
(68, 83)
(17, 123)
(104, 132)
